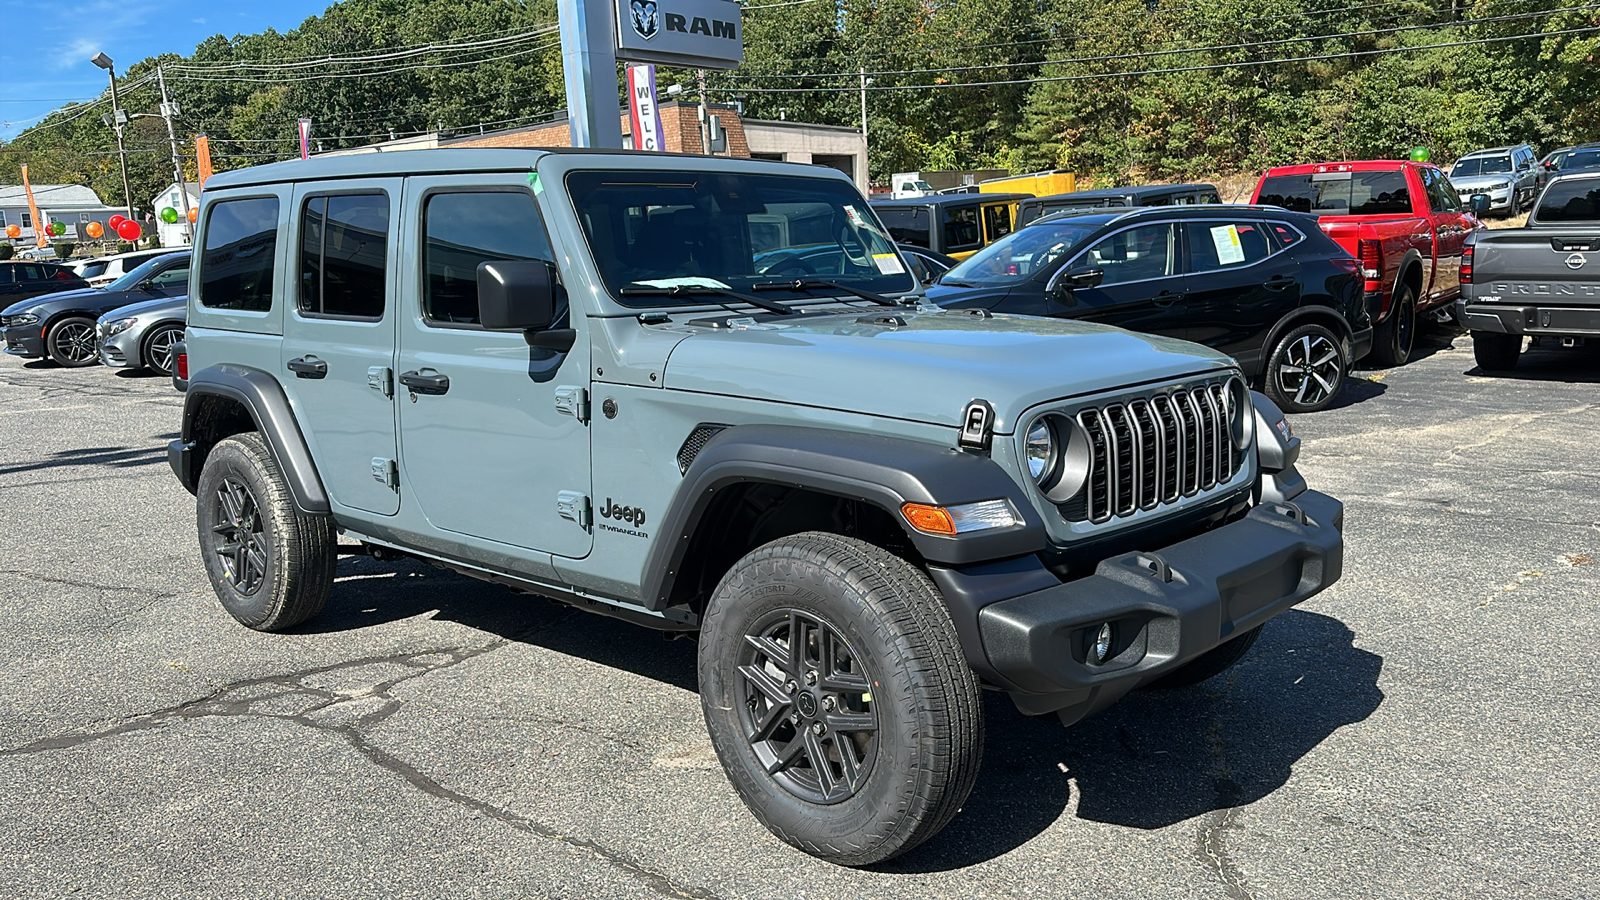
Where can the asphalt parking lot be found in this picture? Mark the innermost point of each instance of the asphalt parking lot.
(1424, 729)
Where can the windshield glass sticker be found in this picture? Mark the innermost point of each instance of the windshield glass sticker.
(687, 281)
(1226, 239)
(888, 263)
(533, 181)
(855, 216)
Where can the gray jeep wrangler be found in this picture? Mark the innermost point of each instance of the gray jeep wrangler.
(692, 393)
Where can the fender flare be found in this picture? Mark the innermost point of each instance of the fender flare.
(883, 471)
(260, 394)
(1411, 256)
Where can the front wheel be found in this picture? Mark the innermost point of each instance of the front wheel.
(837, 697)
(1306, 369)
(270, 564)
(1496, 352)
(71, 343)
(1395, 335)
(158, 346)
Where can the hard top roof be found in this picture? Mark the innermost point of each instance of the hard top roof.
(1187, 211)
(1143, 190)
(1491, 151)
(947, 199)
(1360, 165)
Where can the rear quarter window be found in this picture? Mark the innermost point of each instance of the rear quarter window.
(240, 249)
(1570, 201)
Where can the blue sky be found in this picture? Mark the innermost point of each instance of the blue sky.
(44, 54)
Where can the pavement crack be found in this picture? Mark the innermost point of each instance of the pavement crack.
(1211, 841)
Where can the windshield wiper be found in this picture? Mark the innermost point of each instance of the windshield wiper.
(955, 283)
(818, 284)
(687, 290)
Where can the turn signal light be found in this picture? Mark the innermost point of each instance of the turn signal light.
(1466, 265)
(929, 519)
(949, 521)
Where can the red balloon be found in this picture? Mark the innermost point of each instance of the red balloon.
(129, 230)
(116, 221)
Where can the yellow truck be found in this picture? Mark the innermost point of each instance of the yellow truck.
(1039, 184)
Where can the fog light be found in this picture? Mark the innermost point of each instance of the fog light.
(1102, 643)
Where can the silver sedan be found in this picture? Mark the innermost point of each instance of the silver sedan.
(142, 334)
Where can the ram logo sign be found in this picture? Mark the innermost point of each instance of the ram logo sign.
(704, 34)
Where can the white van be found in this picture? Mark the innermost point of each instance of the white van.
(106, 269)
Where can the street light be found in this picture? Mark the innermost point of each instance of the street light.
(117, 119)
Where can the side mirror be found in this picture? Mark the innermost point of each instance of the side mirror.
(1479, 204)
(1082, 277)
(516, 295)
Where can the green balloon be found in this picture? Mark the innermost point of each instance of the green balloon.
(169, 215)
(57, 229)
(1419, 154)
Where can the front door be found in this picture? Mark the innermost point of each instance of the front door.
(1240, 284)
(1141, 288)
(338, 336)
(486, 449)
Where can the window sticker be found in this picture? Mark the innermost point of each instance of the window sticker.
(855, 216)
(1226, 239)
(687, 281)
(888, 263)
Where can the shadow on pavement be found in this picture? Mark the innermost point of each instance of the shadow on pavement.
(1155, 759)
(115, 457)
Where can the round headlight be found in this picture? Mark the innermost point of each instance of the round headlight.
(1040, 449)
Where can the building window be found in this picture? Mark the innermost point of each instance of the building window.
(2, 218)
(27, 220)
(83, 218)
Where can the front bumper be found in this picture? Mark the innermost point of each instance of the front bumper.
(120, 351)
(1506, 319)
(26, 341)
(1165, 607)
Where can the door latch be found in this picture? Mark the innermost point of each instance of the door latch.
(386, 472)
(575, 506)
(381, 379)
(573, 401)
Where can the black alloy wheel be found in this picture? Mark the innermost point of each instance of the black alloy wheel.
(242, 546)
(1306, 369)
(158, 348)
(71, 343)
(805, 704)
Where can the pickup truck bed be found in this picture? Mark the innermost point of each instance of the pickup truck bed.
(1541, 280)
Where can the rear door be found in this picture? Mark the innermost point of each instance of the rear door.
(1450, 232)
(1141, 288)
(961, 234)
(496, 446)
(1241, 282)
(170, 281)
(338, 335)
(996, 221)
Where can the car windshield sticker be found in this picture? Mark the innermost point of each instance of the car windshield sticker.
(1226, 239)
(533, 181)
(690, 281)
(888, 263)
(855, 216)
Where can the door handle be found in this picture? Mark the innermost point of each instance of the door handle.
(1278, 283)
(308, 367)
(431, 383)
(1167, 298)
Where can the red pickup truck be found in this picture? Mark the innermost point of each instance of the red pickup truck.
(1404, 222)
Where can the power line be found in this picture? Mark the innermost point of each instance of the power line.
(395, 70)
(375, 54)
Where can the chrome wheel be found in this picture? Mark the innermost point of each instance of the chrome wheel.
(805, 704)
(158, 352)
(73, 343)
(239, 541)
(1309, 369)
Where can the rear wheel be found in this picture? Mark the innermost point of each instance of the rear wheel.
(1496, 352)
(157, 354)
(1396, 335)
(1306, 369)
(837, 697)
(71, 343)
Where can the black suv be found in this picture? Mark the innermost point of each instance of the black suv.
(1263, 285)
(21, 280)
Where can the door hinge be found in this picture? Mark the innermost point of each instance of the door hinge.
(381, 379)
(573, 401)
(386, 471)
(575, 506)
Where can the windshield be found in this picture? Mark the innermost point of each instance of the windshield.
(93, 270)
(1480, 165)
(1339, 193)
(1570, 200)
(725, 230)
(1020, 255)
(131, 280)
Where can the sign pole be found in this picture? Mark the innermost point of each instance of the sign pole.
(589, 63)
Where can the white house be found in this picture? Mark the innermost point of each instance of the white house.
(176, 234)
(73, 205)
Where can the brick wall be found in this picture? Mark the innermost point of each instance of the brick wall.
(680, 125)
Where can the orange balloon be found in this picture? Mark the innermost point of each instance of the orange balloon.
(13, 231)
(94, 230)
(194, 214)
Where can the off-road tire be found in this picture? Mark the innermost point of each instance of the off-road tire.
(1496, 352)
(924, 696)
(291, 555)
(1396, 336)
(64, 343)
(1209, 664)
(1285, 388)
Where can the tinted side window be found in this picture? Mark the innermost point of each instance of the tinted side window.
(961, 229)
(344, 255)
(1135, 255)
(1572, 200)
(997, 221)
(29, 273)
(6, 276)
(907, 225)
(176, 275)
(241, 242)
(1285, 235)
(462, 230)
(1226, 245)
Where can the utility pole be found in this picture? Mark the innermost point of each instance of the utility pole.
(168, 110)
(705, 115)
(864, 151)
(104, 62)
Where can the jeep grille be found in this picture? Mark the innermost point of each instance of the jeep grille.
(1155, 450)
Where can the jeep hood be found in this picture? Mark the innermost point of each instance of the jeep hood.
(927, 369)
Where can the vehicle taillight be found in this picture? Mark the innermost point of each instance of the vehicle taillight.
(1466, 265)
(183, 366)
(1371, 256)
(1348, 264)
